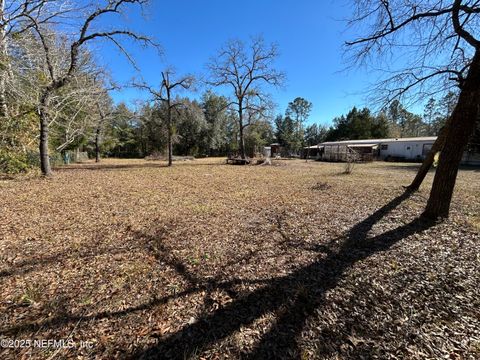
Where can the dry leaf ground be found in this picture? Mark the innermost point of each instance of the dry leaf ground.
(209, 261)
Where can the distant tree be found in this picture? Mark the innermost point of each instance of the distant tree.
(447, 104)
(153, 129)
(299, 110)
(232, 132)
(414, 126)
(358, 124)
(191, 128)
(72, 117)
(315, 134)
(380, 128)
(171, 104)
(440, 44)
(246, 70)
(430, 116)
(258, 135)
(215, 108)
(338, 131)
(104, 112)
(279, 129)
(436, 112)
(393, 114)
(123, 130)
(285, 132)
(403, 123)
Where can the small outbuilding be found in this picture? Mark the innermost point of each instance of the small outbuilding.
(275, 150)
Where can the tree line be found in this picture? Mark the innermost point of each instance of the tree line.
(208, 127)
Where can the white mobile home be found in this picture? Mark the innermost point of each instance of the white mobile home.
(412, 149)
(406, 148)
(399, 149)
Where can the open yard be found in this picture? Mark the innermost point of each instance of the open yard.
(131, 259)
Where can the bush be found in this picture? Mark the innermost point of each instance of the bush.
(12, 162)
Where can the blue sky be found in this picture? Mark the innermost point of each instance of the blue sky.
(309, 33)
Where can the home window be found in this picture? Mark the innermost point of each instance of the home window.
(408, 147)
(384, 147)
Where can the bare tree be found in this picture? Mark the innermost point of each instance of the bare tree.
(166, 97)
(246, 70)
(15, 16)
(441, 41)
(72, 113)
(59, 75)
(3, 60)
(105, 113)
(104, 109)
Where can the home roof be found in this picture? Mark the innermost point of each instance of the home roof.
(314, 147)
(362, 145)
(370, 142)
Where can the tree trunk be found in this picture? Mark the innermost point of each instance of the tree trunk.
(241, 140)
(3, 100)
(428, 161)
(3, 63)
(97, 145)
(170, 134)
(463, 122)
(44, 157)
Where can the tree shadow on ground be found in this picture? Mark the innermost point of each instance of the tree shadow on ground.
(294, 297)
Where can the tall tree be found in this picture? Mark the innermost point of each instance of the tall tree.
(216, 116)
(285, 131)
(123, 129)
(3, 60)
(246, 70)
(15, 18)
(171, 103)
(61, 73)
(442, 46)
(192, 127)
(299, 110)
(258, 135)
(430, 116)
(358, 124)
(104, 112)
(403, 123)
(315, 134)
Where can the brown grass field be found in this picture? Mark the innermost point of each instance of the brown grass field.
(131, 259)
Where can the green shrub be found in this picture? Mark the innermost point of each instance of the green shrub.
(12, 162)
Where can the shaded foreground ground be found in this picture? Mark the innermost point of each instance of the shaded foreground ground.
(205, 260)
